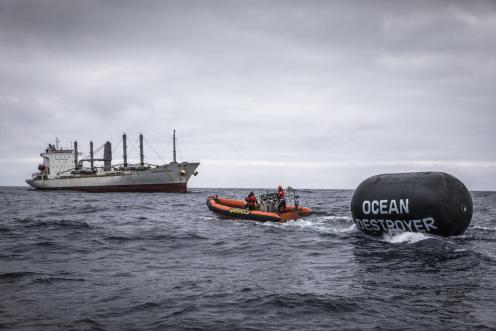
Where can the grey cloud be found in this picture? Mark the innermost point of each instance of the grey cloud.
(371, 81)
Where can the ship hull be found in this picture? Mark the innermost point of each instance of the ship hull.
(177, 188)
(167, 178)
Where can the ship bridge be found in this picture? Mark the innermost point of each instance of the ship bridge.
(56, 161)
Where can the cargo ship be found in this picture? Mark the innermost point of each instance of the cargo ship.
(62, 169)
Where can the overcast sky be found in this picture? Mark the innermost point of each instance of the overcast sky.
(314, 94)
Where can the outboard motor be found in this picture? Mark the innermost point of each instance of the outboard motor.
(431, 202)
(268, 202)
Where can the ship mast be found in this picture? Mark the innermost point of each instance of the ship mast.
(174, 146)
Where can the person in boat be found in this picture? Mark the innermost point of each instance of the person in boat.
(251, 201)
(281, 199)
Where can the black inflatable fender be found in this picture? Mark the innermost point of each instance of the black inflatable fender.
(431, 202)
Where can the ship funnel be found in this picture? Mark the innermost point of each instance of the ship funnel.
(76, 165)
(107, 156)
(124, 149)
(92, 159)
(142, 157)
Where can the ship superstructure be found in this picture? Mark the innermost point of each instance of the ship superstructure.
(64, 169)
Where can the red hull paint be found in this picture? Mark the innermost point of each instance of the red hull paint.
(173, 188)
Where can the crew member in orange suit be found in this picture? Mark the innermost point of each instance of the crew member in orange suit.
(251, 201)
(281, 197)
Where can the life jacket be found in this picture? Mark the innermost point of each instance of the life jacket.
(252, 200)
(280, 194)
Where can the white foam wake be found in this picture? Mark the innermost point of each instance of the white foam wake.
(322, 225)
(484, 228)
(405, 237)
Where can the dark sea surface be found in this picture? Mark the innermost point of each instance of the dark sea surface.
(162, 261)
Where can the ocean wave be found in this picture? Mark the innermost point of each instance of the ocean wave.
(323, 225)
(321, 213)
(63, 223)
(483, 228)
(320, 227)
(334, 218)
(84, 324)
(177, 204)
(118, 238)
(164, 237)
(16, 275)
(72, 210)
(299, 302)
(146, 306)
(166, 267)
(52, 280)
(208, 218)
(22, 220)
(405, 237)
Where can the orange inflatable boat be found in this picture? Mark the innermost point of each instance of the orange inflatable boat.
(232, 208)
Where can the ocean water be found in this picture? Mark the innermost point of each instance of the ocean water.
(163, 261)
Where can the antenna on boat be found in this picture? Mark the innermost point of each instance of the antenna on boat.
(142, 157)
(57, 143)
(174, 146)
